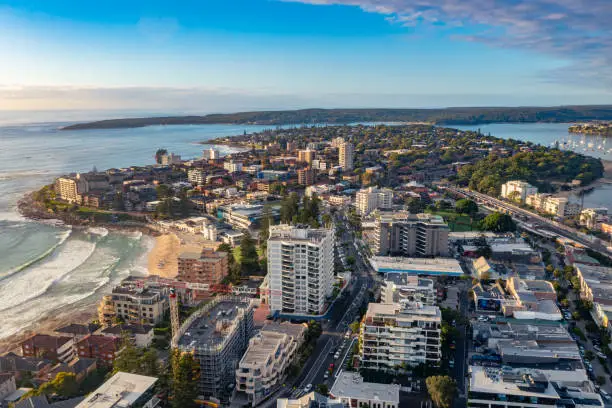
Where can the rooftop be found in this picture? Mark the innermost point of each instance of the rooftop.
(213, 325)
(351, 384)
(121, 390)
(404, 309)
(285, 232)
(417, 266)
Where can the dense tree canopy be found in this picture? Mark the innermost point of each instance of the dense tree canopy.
(441, 389)
(498, 222)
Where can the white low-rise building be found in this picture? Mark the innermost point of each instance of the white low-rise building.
(354, 392)
(517, 190)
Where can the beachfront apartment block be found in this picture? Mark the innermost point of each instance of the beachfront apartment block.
(207, 266)
(372, 198)
(517, 190)
(196, 177)
(266, 360)
(218, 335)
(53, 348)
(405, 234)
(123, 390)
(401, 334)
(346, 153)
(66, 189)
(300, 268)
(133, 302)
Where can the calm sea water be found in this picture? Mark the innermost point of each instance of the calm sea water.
(46, 269)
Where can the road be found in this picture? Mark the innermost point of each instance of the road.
(343, 313)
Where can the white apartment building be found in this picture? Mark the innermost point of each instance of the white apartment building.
(210, 154)
(372, 198)
(520, 189)
(267, 358)
(592, 217)
(66, 188)
(401, 334)
(300, 268)
(557, 206)
(169, 159)
(232, 166)
(346, 155)
(209, 232)
(197, 177)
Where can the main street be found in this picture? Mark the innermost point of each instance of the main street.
(343, 312)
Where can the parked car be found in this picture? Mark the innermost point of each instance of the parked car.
(308, 388)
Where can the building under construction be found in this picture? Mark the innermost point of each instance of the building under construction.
(218, 335)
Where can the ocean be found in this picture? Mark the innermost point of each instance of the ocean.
(47, 269)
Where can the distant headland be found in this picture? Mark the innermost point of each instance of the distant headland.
(445, 116)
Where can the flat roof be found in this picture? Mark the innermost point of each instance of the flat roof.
(417, 266)
(495, 380)
(351, 384)
(121, 390)
(211, 327)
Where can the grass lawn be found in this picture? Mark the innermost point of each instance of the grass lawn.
(457, 222)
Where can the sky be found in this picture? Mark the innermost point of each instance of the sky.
(205, 56)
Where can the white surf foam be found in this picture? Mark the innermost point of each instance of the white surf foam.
(36, 280)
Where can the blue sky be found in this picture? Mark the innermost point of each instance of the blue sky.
(228, 55)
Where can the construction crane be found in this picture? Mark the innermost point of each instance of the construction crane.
(174, 313)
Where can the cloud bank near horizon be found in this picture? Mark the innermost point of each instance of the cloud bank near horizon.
(219, 100)
(577, 31)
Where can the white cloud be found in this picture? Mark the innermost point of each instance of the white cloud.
(575, 30)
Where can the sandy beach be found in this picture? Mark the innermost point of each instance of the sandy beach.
(163, 258)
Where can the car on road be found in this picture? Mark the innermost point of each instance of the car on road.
(308, 388)
(605, 395)
(326, 375)
(337, 355)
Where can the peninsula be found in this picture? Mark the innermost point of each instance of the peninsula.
(445, 116)
(592, 128)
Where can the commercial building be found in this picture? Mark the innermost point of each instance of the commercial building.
(557, 206)
(206, 266)
(346, 153)
(394, 335)
(267, 358)
(300, 268)
(310, 400)
(417, 266)
(67, 190)
(123, 390)
(306, 176)
(306, 156)
(353, 391)
(372, 198)
(493, 387)
(517, 190)
(398, 286)
(54, 348)
(406, 234)
(218, 335)
(134, 302)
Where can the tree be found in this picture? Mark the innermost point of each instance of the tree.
(441, 389)
(465, 206)
(234, 269)
(184, 380)
(327, 220)
(163, 191)
(158, 155)
(249, 259)
(498, 222)
(415, 205)
(266, 221)
(322, 389)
